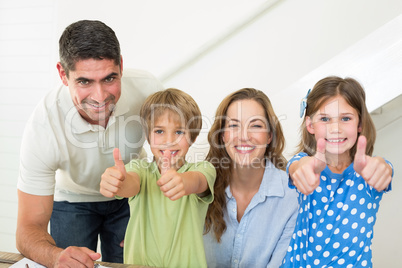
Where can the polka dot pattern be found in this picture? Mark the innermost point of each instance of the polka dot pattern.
(335, 223)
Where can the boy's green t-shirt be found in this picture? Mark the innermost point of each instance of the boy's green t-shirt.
(162, 232)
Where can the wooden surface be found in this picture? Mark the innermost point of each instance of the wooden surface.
(7, 259)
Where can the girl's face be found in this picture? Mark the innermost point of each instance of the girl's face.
(246, 134)
(337, 123)
(168, 133)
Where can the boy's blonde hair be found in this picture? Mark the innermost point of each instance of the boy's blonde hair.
(177, 102)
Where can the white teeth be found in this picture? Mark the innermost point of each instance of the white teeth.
(244, 148)
(338, 140)
(171, 152)
(97, 106)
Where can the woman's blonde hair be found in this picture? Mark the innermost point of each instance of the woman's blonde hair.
(177, 102)
(353, 93)
(219, 157)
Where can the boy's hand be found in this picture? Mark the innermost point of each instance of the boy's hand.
(374, 170)
(113, 177)
(306, 176)
(171, 183)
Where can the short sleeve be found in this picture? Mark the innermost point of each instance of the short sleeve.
(389, 187)
(208, 170)
(38, 159)
(295, 158)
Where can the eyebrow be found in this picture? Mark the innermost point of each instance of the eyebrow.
(252, 121)
(163, 127)
(339, 114)
(113, 74)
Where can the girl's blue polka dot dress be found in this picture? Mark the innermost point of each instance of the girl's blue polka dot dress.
(335, 223)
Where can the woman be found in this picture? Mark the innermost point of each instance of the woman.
(253, 215)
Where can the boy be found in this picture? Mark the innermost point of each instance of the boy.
(168, 197)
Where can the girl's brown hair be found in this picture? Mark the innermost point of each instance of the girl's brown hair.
(354, 95)
(218, 156)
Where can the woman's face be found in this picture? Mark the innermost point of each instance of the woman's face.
(246, 134)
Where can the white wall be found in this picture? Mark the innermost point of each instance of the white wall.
(271, 52)
(26, 46)
(387, 231)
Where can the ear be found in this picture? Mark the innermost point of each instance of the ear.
(359, 129)
(269, 138)
(121, 64)
(62, 74)
(309, 125)
(223, 137)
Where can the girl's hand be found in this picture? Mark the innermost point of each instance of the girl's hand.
(305, 173)
(171, 183)
(374, 170)
(112, 179)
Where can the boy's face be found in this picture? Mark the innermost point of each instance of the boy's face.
(169, 133)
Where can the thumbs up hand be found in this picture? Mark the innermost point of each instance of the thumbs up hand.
(374, 170)
(305, 173)
(112, 179)
(171, 183)
(166, 162)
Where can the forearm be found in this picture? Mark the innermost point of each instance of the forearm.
(130, 186)
(195, 182)
(35, 243)
(32, 237)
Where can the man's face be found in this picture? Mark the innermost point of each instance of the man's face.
(95, 88)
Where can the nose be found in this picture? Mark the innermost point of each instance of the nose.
(170, 139)
(334, 126)
(99, 94)
(244, 133)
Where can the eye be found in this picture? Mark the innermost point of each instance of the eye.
(256, 126)
(109, 79)
(233, 125)
(180, 132)
(83, 82)
(324, 119)
(346, 118)
(158, 131)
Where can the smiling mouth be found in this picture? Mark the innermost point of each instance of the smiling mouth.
(97, 106)
(171, 152)
(335, 140)
(244, 148)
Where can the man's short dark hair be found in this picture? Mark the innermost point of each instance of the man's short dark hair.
(88, 39)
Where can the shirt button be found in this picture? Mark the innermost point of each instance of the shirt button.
(235, 261)
(238, 236)
(234, 210)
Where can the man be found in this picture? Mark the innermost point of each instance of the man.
(67, 145)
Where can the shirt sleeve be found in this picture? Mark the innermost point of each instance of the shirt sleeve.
(208, 170)
(38, 159)
(389, 187)
(295, 158)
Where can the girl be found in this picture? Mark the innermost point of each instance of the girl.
(253, 215)
(340, 185)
